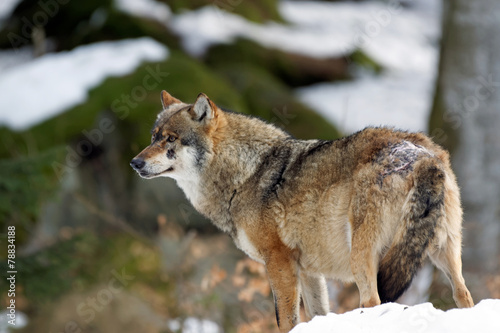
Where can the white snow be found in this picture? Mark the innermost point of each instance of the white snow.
(145, 8)
(397, 318)
(206, 26)
(56, 82)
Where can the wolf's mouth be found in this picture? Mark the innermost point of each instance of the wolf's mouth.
(146, 174)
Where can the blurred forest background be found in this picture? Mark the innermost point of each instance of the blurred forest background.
(101, 250)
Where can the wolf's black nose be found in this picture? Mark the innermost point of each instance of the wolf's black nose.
(137, 163)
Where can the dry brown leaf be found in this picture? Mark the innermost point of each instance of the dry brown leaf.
(255, 285)
(215, 276)
(258, 323)
(256, 267)
(238, 281)
(246, 295)
(240, 266)
(260, 285)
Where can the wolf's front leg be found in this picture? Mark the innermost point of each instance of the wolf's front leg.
(282, 272)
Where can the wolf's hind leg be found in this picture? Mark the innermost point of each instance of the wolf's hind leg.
(314, 294)
(364, 262)
(448, 259)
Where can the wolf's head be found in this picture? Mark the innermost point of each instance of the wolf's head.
(182, 139)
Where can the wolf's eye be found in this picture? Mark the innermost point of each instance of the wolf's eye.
(171, 138)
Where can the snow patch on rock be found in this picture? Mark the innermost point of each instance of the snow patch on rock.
(55, 82)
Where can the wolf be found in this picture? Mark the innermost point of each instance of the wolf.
(368, 208)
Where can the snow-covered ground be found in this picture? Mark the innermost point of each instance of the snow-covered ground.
(55, 82)
(397, 318)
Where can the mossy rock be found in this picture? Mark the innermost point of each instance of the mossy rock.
(255, 10)
(273, 101)
(293, 69)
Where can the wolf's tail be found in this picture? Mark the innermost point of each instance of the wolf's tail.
(422, 211)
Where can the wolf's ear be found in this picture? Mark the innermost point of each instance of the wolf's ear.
(203, 108)
(167, 99)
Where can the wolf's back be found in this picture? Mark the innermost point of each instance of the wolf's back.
(422, 211)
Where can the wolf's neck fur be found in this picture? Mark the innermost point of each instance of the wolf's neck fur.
(240, 145)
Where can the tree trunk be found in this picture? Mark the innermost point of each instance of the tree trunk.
(466, 120)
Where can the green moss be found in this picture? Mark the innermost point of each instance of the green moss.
(46, 275)
(255, 10)
(119, 25)
(361, 59)
(21, 182)
(271, 100)
(188, 78)
(294, 70)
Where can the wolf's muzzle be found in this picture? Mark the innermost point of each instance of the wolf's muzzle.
(137, 164)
